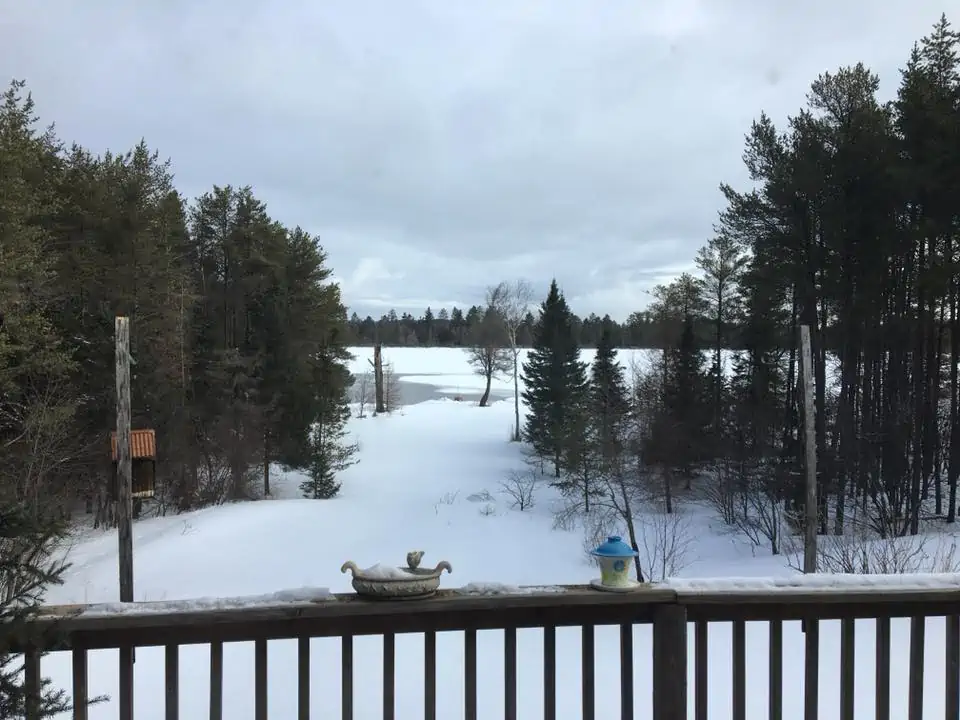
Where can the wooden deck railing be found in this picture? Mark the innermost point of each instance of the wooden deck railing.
(678, 661)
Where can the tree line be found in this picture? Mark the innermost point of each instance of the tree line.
(459, 328)
(238, 340)
(237, 333)
(850, 226)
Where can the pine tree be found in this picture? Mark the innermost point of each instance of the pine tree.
(685, 418)
(26, 570)
(330, 453)
(609, 403)
(556, 382)
(594, 444)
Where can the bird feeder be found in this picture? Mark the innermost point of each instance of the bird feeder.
(143, 453)
(615, 559)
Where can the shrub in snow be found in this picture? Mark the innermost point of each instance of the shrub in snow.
(520, 487)
(862, 553)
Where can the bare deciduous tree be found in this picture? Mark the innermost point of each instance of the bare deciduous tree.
(662, 540)
(610, 511)
(488, 355)
(33, 455)
(391, 388)
(719, 490)
(760, 508)
(665, 540)
(363, 390)
(861, 551)
(520, 487)
(512, 301)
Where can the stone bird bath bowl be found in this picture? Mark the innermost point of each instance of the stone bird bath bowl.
(383, 582)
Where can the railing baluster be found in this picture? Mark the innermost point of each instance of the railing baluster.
(668, 607)
(918, 626)
(389, 675)
(346, 677)
(171, 675)
(510, 673)
(80, 684)
(303, 678)
(670, 662)
(739, 670)
(700, 673)
(811, 669)
(550, 673)
(430, 676)
(470, 674)
(587, 672)
(883, 669)
(216, 681)
(626, 671)
(260, 680)
(952, 684)
(126, 683)
(31, 683)
(848, 630)
(775, 681)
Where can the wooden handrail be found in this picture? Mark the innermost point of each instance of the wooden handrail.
(159, 623)
(670, 610)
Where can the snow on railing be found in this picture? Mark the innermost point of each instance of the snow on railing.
(820, 583)
(682, 587)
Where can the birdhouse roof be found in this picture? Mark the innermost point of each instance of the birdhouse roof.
(143, 445)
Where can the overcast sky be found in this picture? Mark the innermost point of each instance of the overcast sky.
(437, 147)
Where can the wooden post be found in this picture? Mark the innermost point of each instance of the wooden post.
(124, 460)
(670, 662)
(810, 453)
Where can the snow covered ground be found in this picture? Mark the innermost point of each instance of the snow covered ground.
(430, 478)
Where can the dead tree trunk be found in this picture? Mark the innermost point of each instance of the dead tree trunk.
(377, 363)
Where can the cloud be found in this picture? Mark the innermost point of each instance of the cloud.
(437, 148)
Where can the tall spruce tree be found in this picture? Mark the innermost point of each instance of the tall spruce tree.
(329, 383)
(681, 429)
(329, 451)
(609, 399)
(593, 446)
(556, 382)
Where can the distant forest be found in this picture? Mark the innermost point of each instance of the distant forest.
(460, 328)
(236, 329)
(649, 329)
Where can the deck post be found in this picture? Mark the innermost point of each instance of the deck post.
(670, 662)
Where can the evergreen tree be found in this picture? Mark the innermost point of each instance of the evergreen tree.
(680, 432)
(310, 323)
(26, 570)
(609, 398)
(556, 383)
(721, 261)
(594, 445)
(38, 402)
(330, 453)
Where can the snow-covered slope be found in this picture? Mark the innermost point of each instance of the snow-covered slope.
(429, 478)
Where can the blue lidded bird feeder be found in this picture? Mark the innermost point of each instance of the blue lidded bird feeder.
(615, 558)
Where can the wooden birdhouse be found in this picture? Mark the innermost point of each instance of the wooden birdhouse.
(143, 450)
